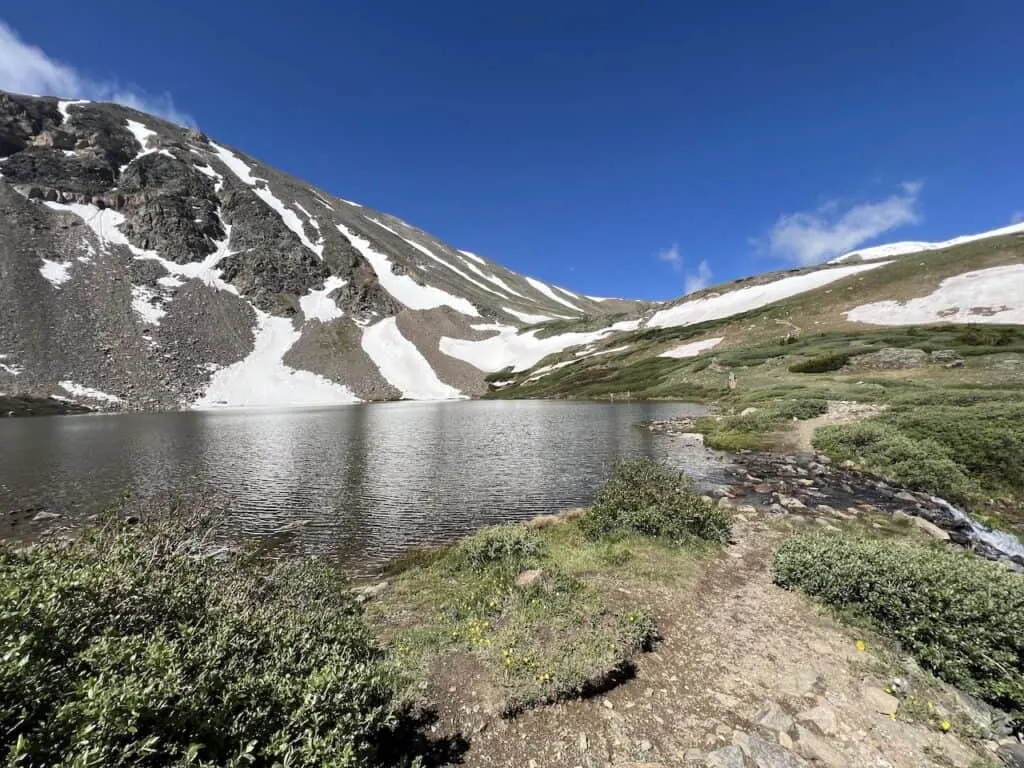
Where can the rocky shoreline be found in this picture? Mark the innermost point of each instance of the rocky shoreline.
(813, 487)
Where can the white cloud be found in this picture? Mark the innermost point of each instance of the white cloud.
(811, 237)
(1017, 217)
(25, 68)
(673, 257)
(699, 280)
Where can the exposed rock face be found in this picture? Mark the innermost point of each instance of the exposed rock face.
(139, 260)
(890, 359)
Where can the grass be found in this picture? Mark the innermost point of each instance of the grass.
(958, 615)
(570, 631)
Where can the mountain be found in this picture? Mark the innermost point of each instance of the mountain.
(144, 265)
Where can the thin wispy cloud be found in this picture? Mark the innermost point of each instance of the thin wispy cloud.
(672, 257)
(810, 237)
(699, 280)
(692, 280)
(26, 68)
(1017, 217)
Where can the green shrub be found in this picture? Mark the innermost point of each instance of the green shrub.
(822, 363)
(647, 497)
(508, 547)
(805, 408)
(131, 647)
(959, 616)
(734, 440)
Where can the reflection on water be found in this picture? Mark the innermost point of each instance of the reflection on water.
(371, 480)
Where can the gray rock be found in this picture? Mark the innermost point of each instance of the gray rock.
(44, 516)
(773, 717)
(726, 757)
(947, 357)
(889, 359)
(822, 717)
(878, 700)
(765, 754)
(791, 502)
(931, 529)
(815, 748)
(1011, 755)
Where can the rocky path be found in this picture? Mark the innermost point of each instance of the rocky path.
(747, 675)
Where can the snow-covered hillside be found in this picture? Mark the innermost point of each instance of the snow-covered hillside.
(890, 250)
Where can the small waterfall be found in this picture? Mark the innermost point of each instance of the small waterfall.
(1002, 542)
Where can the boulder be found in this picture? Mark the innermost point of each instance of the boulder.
(529, 578)
(947, 357)
(931, 529)
(726, 757)
(879, 701)
(889, 359)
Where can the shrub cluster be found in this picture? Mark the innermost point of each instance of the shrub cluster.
(822, 363)
(803, 408)
(510, 548)
(647, 497)
(960, 616)
(132, 647)
(965, 454)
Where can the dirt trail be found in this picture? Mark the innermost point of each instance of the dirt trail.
(838, 413)
(732, 644)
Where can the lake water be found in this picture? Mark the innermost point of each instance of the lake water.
(371, 480)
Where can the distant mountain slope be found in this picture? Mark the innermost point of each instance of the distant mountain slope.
(143, 265)
(888, 250)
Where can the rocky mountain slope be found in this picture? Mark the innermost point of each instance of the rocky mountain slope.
(143, 265)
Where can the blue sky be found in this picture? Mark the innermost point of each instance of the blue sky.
(618, 149)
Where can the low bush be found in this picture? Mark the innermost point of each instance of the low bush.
(804, 408)
(131, 647)
(959, 616)
(509, 547)
(822, 363)
(647, 497)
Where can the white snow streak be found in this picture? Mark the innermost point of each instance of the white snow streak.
(62, 107)
(901, 249)
(402, 365)
(526, 317)
(235, 164)
(718, 306)
(94, 394)
(11, 368)
(317, 306)
(692, 349)
(994, 295)
(402, 287)
(208, 170)
(546, 290)
(56, 272)
(262, 379)
(144, 303)
(473, 256)
(510, 348)
(288, 216)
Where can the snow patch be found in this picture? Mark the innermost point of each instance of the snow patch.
(402, 287)
(316, 305)
(510, 348)
(77, 390)
(208, 170)
(142, 135)
(323, 202)
(547, 291)
(235, 164)
(718, 306)
(62, 107)
(994, 295)
(612, 350)
(472, 256)
(349, 202)
(11, 368)
(544, 371)
(290, 219)
(145, 302)
(526, 317)
(56, 272)
(402, 365)
(889, 250)
(262, 379)
(692, 349)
